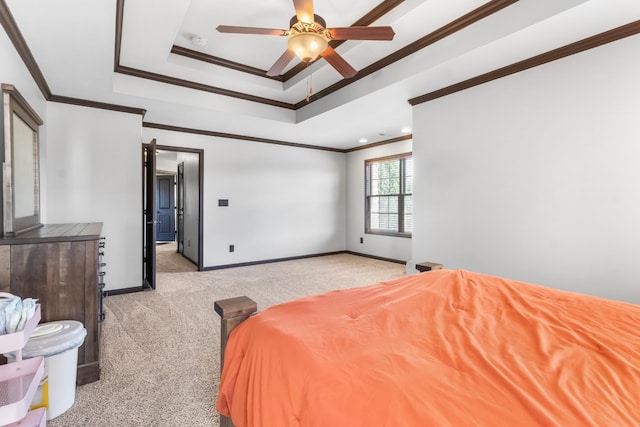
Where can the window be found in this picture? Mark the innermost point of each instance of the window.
(388, 191)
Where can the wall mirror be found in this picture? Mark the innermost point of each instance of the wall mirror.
(20, 163)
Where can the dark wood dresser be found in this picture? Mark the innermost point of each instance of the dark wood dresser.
(60, 264)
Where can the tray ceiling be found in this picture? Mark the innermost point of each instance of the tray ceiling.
(141, 54)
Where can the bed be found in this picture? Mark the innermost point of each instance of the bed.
(440, 348)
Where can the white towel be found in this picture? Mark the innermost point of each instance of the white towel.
(14, 313)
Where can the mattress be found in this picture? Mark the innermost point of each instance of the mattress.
(441, 348)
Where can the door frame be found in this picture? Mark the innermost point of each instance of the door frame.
(200, 153)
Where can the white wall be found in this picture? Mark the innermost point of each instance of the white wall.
(95, 175)
(283, 201)
(398, 248)
(167, 162)
(536, 176)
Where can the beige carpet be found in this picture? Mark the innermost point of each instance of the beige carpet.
(160, 349)
(168, 260)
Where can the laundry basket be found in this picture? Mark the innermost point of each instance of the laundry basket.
(58, 342)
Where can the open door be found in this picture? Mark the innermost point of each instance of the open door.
(149, 216)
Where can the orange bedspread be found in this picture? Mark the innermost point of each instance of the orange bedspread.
(443, 348)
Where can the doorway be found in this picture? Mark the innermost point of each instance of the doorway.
(177, 211)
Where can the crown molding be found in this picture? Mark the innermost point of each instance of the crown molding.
(200, 86)
(269, 141)
(215, 60)
(236, 136)
(379, 143)
(606, 37)
(12, 30)
(95, 104)
(16, 37)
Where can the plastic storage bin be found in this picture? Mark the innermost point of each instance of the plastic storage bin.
(58, 343)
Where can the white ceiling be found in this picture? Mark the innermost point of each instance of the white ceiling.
(73, 42)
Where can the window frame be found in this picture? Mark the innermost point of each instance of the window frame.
(401, 196)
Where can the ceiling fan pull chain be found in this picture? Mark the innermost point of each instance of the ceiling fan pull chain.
(309, 82)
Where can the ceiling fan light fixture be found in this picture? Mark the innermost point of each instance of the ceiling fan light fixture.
(307, 46)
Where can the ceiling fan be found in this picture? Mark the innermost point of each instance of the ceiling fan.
(309, 38)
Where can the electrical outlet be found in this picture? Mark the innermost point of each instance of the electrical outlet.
(232, 248)
(362, 240)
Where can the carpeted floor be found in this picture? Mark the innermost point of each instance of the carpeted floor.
(160, 349)
(168, 260)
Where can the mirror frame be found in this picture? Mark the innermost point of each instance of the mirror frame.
(15, 104)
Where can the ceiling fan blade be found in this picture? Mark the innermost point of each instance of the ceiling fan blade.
(277, 68)
(251, 30)
(362, 33)
(338, 63)
(304, 10)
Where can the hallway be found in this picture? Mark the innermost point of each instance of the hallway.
(170, 261)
